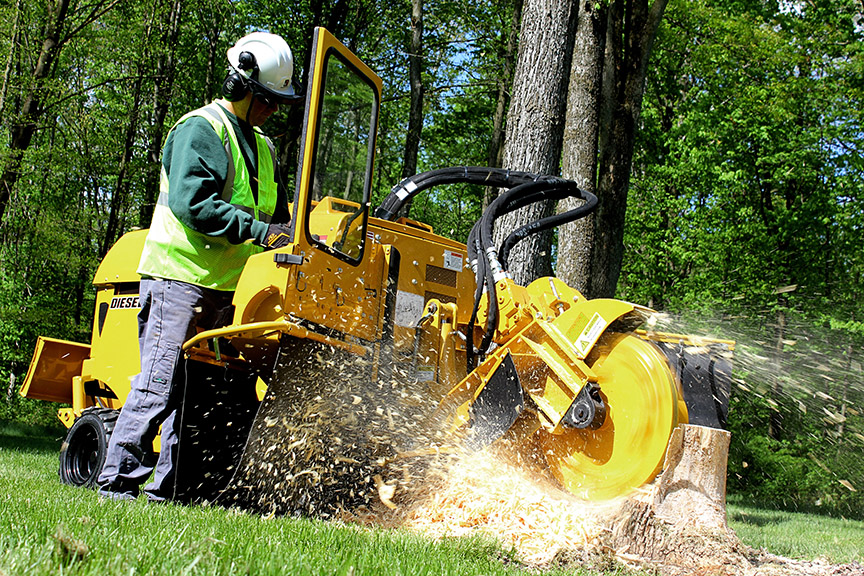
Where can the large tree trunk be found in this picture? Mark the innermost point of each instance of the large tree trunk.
(415, 113)
(579, 155)
(631, 28)
(535, 121)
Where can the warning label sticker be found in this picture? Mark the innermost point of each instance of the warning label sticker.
(590, 334)
(425, 373)
(409, 309)
(453, 260)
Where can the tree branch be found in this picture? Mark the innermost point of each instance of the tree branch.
(95, 86)
(94, 14)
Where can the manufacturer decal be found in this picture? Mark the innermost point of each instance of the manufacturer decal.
(122, 302)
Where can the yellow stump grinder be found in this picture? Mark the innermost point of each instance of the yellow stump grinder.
(370, 340)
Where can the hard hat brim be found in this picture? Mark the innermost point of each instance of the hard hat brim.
(286, 95)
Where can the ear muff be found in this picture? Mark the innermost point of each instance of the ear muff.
(236, 84)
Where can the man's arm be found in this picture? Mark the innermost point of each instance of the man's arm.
(197, 168)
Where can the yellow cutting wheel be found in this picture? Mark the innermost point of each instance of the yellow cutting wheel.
(642, 410)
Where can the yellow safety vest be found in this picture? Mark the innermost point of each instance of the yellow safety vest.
(174, 251)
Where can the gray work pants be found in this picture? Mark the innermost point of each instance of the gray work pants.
(171, 313)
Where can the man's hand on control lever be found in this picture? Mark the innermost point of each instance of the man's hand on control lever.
(278, 236)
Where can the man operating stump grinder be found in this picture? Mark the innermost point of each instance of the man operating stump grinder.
(219, 203)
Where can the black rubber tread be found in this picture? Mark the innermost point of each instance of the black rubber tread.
(83, 452)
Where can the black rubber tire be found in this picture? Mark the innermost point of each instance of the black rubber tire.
(82, 454)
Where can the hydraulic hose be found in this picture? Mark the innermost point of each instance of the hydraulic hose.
(545, 224)
(413, 185)
(490, 264)
(510, 200)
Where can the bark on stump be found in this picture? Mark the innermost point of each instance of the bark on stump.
(680, 524)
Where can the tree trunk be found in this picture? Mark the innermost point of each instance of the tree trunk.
(535, 121)
(630, 30)
(166, 68)
(212, 15)
(10, 60)
(496, 144)
(680, 525)
(56, 33)
(579, 157)
(23, 128)
(415, 112)
(332, 16)
(120, 197)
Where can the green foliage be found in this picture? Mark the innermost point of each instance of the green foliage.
(746, 204)
(748, 177)
(33, 413)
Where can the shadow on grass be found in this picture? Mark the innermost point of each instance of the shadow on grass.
(24, 438)
(759, 519)
(754, 517)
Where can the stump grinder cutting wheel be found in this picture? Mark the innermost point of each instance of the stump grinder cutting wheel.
(370, 340)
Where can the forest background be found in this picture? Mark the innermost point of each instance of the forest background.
(744, 216)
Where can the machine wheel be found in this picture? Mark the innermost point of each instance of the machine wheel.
(627, 451)
(83, 452)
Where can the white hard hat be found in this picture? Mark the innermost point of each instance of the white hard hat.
(271, 65)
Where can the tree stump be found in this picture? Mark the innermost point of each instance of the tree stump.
(680, 523)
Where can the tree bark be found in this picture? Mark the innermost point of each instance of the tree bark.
(579, 155)
(631, 27)
(415, 111)
(535, 121)
(680, 525)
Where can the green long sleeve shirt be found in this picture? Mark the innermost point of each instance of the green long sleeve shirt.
(195, 161)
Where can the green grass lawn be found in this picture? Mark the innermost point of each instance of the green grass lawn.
(49, 528)
(795, 534)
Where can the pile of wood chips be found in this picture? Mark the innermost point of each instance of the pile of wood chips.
(465, 495)
(478, 493)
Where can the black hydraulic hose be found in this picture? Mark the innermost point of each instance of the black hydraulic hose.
(521, 189)
(531, 191)
(502, 204)
(413, 185)
(545, 224)
(513, 199)
(480, 280)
